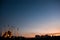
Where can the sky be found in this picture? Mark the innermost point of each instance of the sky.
(30, 16)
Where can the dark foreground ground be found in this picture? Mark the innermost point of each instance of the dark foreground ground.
(36, 38)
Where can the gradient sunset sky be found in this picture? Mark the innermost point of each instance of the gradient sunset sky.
(31, 16)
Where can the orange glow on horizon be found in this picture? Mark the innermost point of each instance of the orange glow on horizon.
(33, 34)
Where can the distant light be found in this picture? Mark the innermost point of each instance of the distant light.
(51, 35)
(8, 35)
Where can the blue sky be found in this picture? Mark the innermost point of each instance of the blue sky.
(31, 16)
